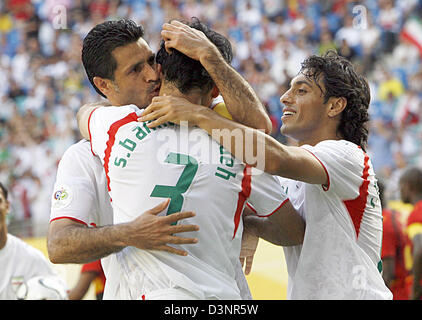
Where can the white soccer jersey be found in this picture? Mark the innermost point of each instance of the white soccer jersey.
(80, 190)
(20, 262)
(145, 166)
(340, 255)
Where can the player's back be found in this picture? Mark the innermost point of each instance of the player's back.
(145, 166)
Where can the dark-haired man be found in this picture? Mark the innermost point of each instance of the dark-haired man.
(328, 177)
(185, 165)
(121, 67)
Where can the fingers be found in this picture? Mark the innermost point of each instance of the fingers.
(242, 261)
(181, 240)
(159, 208)
(175, 217)
(184, 228)
(173, 250)
(248, 268)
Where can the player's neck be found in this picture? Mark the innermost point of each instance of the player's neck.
(316, 137)
(169, 90)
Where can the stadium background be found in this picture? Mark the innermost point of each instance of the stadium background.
(42, 84)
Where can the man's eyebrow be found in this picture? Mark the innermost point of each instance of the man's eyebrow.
(299, 82)
(150, 59)
(134, 66)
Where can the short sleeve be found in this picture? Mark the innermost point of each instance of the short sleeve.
(73, 194)
(343, 163)
(267, 195)
(104, 122)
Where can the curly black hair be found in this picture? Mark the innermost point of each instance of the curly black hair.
(186, 73)
(340, 79)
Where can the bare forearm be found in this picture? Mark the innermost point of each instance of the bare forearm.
(248, 145)
(239, 97)
(80, 244)
(260, 150)
(261, 227)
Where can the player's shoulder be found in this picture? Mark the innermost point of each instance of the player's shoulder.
(116, 111)
(338, 145)
(342, 150)
(19, 246)
(77, 150)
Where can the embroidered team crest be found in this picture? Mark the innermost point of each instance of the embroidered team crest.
(62, 196)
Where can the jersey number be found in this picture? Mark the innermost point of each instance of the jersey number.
(182, 185)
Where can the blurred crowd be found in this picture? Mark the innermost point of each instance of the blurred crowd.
(42, 81)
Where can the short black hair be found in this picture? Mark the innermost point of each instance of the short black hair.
(412, 176)
(340, 79)
(100, 42)
(186, 73)
(3, 190)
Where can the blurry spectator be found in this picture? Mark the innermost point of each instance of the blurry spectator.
(349, 35)
(326, 43)
(91, 272)
(411, 192)
(394, 272)
(389, 19)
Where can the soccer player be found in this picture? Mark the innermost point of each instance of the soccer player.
(185, 165)
(394, 271)
(411, 192)
(80, 199)
(19, 262)
(328, 177)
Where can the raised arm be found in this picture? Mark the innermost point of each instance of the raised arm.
(239, 97)
(249, 145)
(82, 118)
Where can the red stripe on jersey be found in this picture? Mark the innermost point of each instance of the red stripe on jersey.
(271, 213)
(243, 196)
(111, 138)
(70, 218)
(327, 186)
(356, 207)
(89, 130)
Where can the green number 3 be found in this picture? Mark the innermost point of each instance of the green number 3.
(182, 185)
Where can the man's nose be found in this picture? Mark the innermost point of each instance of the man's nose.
(286, 98)
(151, 73)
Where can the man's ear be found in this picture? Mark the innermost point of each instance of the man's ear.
(336, 106)
(215, 92)
(102, 84)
